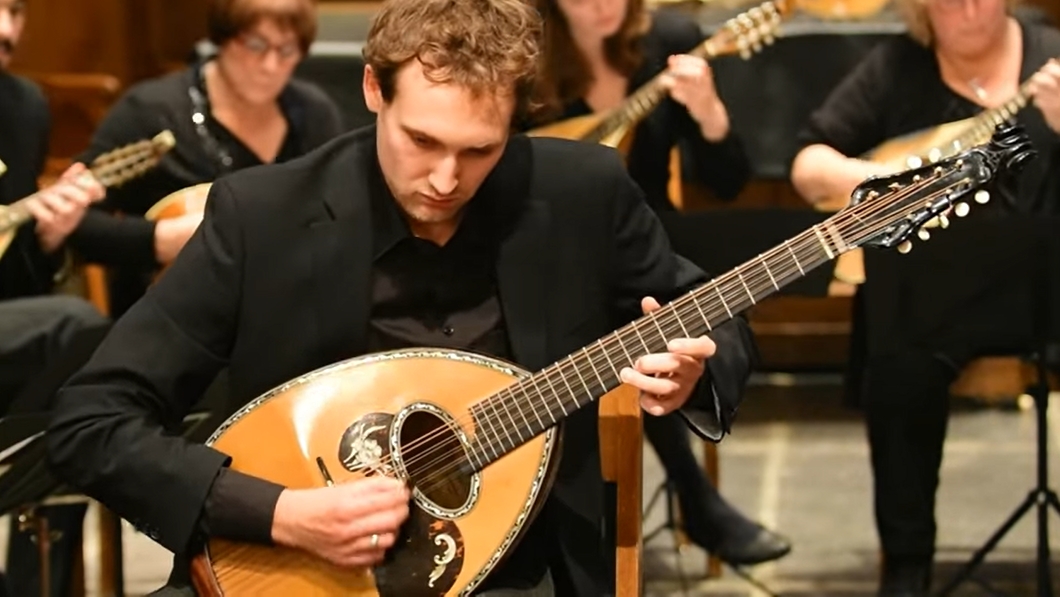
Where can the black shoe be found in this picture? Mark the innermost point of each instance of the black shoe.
(742, 545)
(905, 580)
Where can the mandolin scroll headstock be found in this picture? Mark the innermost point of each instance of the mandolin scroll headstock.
(886, 211)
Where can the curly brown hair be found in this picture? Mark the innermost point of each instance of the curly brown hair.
(565, 74)
(485, 46)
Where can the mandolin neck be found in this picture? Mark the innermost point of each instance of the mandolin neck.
(985, 122)
(120, 166)
(535, 403)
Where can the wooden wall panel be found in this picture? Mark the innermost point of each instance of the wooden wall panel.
(129, 39)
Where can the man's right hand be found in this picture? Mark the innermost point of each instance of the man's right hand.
(338, 522)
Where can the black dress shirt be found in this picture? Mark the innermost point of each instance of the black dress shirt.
(113, 233)
(422, 295)
(25, 270)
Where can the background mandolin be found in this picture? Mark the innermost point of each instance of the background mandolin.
(111, 169)
(744, 34)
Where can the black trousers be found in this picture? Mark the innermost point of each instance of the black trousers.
(906, 403)
(43, 340)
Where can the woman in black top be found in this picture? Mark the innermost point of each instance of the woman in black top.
(961, 56)
(237, 109)
(597, 52)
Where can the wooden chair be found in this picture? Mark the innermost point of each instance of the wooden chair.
(621, 455)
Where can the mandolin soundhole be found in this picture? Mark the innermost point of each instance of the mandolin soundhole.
(435, 460)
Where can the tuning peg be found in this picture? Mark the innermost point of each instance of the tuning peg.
(905, 247)
(982, 196)
(944, 222)
(961, 209)
(923, 234)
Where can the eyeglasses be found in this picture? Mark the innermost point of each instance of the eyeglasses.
(259, 46)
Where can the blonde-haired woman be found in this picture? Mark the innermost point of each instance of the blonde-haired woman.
(960, 57)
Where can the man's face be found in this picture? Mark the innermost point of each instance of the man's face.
(437, 142)
(12, 20)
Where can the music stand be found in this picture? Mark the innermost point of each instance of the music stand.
(1045, 355)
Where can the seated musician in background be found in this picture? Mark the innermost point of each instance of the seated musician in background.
(596, 53)
(237, 109)
(960, 57)
(35, 327)
(432, 227)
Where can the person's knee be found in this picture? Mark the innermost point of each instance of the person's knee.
(76, 313)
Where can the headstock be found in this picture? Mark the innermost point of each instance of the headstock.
(748, 32)
(129, 161)
(887, 211)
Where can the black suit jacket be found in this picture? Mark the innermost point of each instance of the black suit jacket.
(24, 126)
(275, 283)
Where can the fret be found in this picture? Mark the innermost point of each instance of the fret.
(765, 264)
(530, 403)
(706, 320)
(795, 257)
(593, 367)
(824, 243)
(485, 423)
(662, 334)
(606, 357)
(622, 345)
(636, 330)
(750, 295)
(577, 372)
(557, 395)
(722, 298)
(504, 405)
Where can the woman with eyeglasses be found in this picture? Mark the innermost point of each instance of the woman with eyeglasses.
(960, 57)
(238, 108)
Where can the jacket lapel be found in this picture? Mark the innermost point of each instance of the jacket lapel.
(523, 261)
(341, 258)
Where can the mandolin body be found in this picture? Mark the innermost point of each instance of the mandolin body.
(579, 128)
(356, 415)
(179, 203)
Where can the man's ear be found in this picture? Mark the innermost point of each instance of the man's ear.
(373, 95)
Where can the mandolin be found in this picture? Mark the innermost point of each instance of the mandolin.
(111, 169)
(913, 150)
(475, 438)
(744, 34)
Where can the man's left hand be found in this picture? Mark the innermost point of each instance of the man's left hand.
(666, 380)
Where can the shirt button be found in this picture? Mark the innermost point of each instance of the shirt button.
(448, 330)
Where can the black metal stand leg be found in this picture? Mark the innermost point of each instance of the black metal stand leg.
(119, 559)
(1041, 497)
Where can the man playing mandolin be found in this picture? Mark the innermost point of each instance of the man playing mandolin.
(434, 227)
(960, 58)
